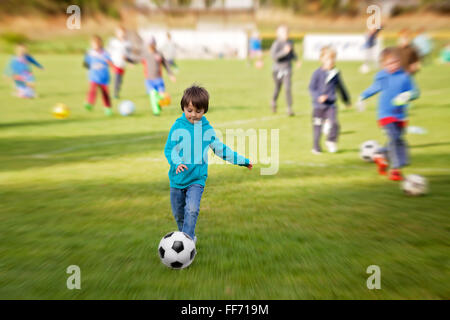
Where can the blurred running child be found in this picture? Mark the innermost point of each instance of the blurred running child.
(97, 60)
(169, 51)
(396, 89)
(255, 49)
(120, 50)
(282, 52)
(153, 62)
(423, 43)
(445, 54)
(370, 49)
(324, 83)
(19, 69)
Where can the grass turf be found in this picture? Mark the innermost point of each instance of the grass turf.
(93, 191)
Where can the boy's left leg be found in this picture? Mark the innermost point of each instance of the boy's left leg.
(193, 196)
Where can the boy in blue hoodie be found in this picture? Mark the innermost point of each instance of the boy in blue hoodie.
(186, 150)
(396, 89)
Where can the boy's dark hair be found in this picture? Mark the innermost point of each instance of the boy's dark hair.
(389, 52)
(196, 95)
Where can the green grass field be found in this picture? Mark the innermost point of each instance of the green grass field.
(93, 191)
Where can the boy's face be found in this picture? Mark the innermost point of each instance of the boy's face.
(391, 63)
(193, 114)
(328, 61)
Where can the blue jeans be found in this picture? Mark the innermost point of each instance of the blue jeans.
(186, 206)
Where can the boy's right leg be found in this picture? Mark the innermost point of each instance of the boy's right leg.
(178, 202)
(193, 196)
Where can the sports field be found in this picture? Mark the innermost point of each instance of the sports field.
(93, 191)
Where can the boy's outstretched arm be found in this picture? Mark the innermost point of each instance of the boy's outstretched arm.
(227, 154)
(372, 90)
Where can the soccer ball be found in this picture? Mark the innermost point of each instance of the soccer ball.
(177, 250)
(368, 150)
(165, 100)
(364, 69)
(61, 111)
(414, 185)
(126, 108)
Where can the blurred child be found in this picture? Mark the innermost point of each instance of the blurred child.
(370, 48)
(396, 90)
(404, 38)
(153, 62)
(445, 54)
(120, 50)
(282, 52)
(186, 150)
(324, 83)
(255, 52)
(19, 70)
(423, 43)
(170, 51)
(97, 60)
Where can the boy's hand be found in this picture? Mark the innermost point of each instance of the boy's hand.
(250, 166)
(322, 98)
(172, 78)
(181, 167)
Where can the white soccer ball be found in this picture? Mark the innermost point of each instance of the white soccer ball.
(177, 250)
(414, 185)
(368, 149)
(126, 108)
(364, 69)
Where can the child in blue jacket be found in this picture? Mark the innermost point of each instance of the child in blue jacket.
(20, 71)
(98, 60)
(186, 150)
(396, 89)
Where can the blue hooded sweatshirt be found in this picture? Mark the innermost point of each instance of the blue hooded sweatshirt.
(188, 144)
(391, 85)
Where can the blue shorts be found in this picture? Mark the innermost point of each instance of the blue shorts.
(155, 84)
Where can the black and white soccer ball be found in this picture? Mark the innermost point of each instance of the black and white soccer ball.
(177, 250)
(414, 185)
(368, 149)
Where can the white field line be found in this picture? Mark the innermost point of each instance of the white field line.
(151, 137)
(287, 162)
